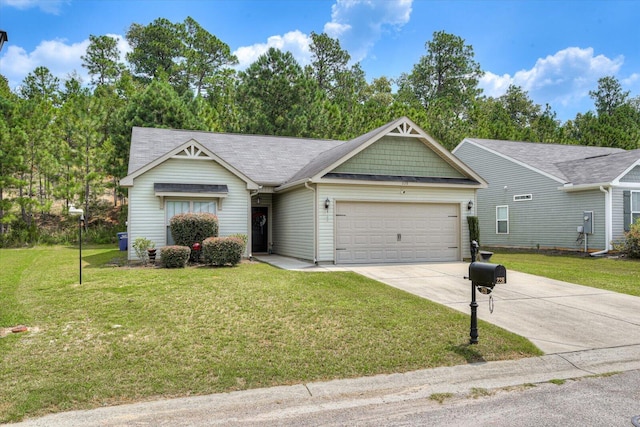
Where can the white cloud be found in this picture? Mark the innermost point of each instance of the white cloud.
(295, 42)
(358, 24)
(563, 79)
(47, 6)
(60, 57)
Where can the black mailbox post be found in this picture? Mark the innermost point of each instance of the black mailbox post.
(483, 276)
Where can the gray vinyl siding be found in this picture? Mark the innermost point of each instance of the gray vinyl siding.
(400, 194)
(147, 213)
(549, 220)
(400, 156)
(632, 176)
(293, 231)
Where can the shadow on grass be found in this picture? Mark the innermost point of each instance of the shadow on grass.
(469, 352)
(113, 258)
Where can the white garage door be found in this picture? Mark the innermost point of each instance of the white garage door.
(396, 232)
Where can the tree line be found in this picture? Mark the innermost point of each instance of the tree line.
(67, 142)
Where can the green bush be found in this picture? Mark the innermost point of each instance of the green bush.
(190, 228)
(174, 256)
(630, 245)
(244, 239)
(140, 245)
(222, 250)
(474, 228)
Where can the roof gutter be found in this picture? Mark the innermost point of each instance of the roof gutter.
(583, 187)
(608, 228)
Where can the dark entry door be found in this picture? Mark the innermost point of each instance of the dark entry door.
(259, 229)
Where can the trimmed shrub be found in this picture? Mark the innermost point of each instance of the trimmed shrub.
(244, 239)
(190, 228)
(174, 256)
(222, 250)
(474, 229)
(630, 245)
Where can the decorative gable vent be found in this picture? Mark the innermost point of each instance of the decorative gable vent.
(404, 129)
(191, 152)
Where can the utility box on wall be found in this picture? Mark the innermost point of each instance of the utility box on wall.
(587, 217)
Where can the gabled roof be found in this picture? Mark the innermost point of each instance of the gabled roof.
(600, 169)
(332, 158)
(269, 160)
(567, 164)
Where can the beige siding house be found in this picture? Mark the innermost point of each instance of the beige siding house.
(539, 194)
(392, 195)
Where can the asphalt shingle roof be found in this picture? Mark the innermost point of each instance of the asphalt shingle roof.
(267, 160)
(576, 164)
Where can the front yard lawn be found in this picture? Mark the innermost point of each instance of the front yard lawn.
(129, 334)
(617, 275)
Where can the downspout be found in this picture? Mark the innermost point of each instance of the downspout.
(607, 221)
(315, 221)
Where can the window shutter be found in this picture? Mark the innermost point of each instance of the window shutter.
(626, 207)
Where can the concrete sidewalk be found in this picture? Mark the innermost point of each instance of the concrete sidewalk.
(291, 405)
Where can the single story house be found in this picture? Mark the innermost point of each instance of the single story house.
(393, 194)
(553, 196)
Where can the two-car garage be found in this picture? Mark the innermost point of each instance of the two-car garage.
(384, 232)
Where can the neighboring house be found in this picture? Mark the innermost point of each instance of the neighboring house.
(391, 195)
(538, 193)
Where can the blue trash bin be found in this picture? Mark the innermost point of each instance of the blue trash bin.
(123, 241)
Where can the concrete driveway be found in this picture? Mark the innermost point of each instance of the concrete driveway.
(556, 316)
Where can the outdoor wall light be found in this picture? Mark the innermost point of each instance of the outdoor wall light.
(258, 200)
(327, 203)
(470, 205)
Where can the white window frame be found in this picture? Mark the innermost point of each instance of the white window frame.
(635, 214)
(191, 210)
(499, 220)
(522, 197)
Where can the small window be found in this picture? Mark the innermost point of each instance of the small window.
(175, 207)
(635, 206)
(502, 219)
(522, 197)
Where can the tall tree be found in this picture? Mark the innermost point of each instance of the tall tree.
(328, 62)
(271, 89)
(157, 49)
(102, 60)
(608, 96)
(11, 155)
(205, 55)
(448, 72)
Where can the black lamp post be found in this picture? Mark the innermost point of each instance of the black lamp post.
(3, 38)
(75, 211)
(473, 333)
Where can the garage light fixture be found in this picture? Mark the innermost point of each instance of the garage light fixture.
(470, 205)
(327, 203)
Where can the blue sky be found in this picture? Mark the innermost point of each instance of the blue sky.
(554, 49)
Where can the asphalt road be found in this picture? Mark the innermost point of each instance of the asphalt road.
(596, 401)
(605, 400)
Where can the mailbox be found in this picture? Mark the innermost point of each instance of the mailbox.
(485, 275)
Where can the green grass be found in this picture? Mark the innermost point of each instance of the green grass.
(618, 275)
(129, 334)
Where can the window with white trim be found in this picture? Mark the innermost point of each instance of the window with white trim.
(635, 206)
(175, 207)
(502, 219)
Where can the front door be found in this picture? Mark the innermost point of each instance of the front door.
(259, 229)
